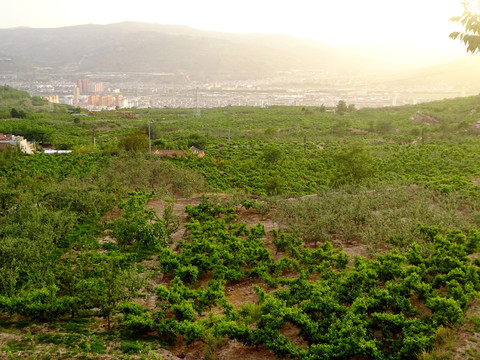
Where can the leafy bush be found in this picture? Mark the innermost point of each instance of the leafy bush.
(137, 225)
(131, 347)
(136, 318)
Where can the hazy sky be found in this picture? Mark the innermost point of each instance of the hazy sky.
(421, 24)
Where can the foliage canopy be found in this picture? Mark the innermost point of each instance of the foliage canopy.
(470, 21)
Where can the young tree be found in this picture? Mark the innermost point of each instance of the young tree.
(139, 225)
(136, 140)
(341, 108)
(114, 285)
(18, 114)
(353, 165)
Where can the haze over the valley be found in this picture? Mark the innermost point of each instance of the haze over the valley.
(410, 31)
(370, 53)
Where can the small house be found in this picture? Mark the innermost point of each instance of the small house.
(12, 141)
(180, 153)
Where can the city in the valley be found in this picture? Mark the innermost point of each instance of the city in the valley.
(107, 91)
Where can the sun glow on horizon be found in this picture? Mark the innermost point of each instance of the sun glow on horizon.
(342, 22)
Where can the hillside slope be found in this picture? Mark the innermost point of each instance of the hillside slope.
(143, 47)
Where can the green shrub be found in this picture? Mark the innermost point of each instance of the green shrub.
(131, 347)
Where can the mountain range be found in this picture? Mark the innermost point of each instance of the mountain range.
(204, 55)
(142, 47)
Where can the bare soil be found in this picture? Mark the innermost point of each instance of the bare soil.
(239, 293)
(461, 342)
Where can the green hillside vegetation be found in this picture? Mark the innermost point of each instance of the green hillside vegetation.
(19, 103)
(301, 233)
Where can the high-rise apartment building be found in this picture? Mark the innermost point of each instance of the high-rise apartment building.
(118, 100)
(93, 100)
(98, 88)
(52, 98)
(82, 84)
(76, 94)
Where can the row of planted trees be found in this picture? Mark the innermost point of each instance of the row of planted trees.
(44, 282)
(389, 307)
(53, 266)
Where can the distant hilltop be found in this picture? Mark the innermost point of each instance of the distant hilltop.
(183, 55)
(141, 47)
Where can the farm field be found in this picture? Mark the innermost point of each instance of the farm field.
(301, 233)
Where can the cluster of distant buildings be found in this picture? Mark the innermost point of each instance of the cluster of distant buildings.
(109, 91)
(95, 96)
(14, 141)
(92, 96)
(9, 141)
